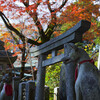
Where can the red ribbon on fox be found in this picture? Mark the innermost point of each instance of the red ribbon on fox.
(8, 90)
(76, 70)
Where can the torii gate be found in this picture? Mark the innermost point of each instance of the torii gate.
(72, 35)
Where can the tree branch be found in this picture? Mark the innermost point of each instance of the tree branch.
(49, 7)
(34, 15)
(52, 24)
(55, 10)
(26, 3)
(63, 4)
(11, 28)
(16, 40)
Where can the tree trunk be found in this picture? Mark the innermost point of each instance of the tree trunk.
(23, 63)
(22, 70)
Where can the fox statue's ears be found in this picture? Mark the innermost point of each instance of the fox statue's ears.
(73, 46)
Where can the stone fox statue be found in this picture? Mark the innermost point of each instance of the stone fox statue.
(6, 87)
(87, 85)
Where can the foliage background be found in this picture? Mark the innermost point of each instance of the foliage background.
(53, 77)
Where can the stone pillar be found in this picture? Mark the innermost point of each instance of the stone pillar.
(40, 79)
(30, 90)
(22, 91)
(56, 93)
(15, 85)
(69, 75)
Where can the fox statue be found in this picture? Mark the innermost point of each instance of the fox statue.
(6, 87)
(87, 85)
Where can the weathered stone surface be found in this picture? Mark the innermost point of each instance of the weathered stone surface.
(67, 80)
(30, 90)
(40, 79)
(22, 91)
(87, 86)
(15, 85)
(72, 35)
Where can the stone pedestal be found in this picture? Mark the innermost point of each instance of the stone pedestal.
(22, 91)
(30, 90)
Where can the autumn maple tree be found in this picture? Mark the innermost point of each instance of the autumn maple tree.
(33, 22)
(82, 10)
(37, 22)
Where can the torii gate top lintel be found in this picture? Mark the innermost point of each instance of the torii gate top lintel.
(72, 35)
